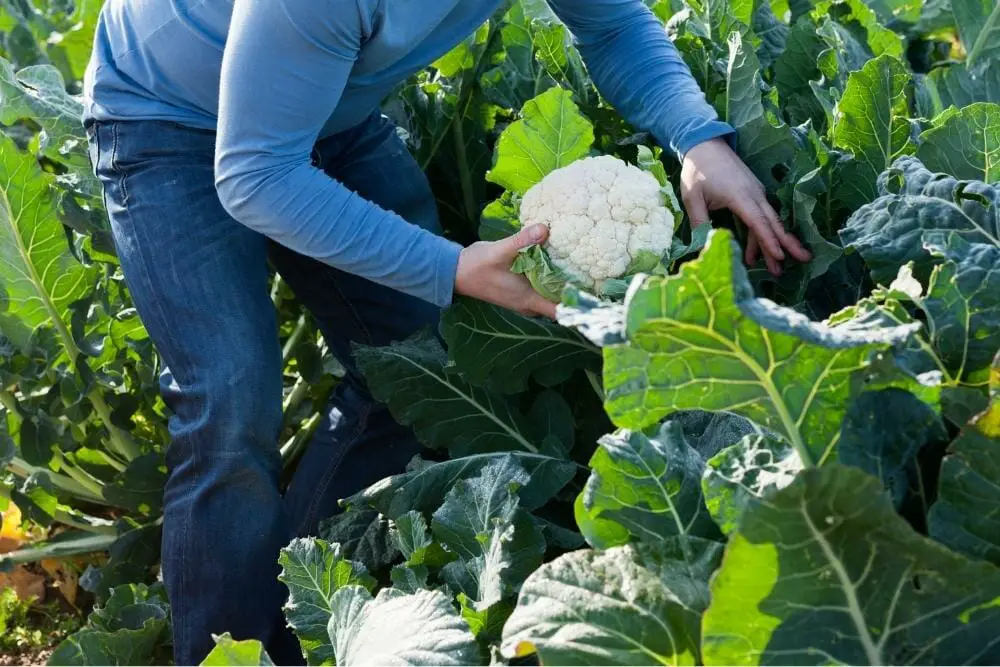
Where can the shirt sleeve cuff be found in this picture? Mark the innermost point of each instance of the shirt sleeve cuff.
(712, 129)
(447, 269)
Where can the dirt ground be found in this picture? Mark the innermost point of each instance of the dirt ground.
(35, 657)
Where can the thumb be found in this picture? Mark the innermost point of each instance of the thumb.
(526, 237)
(696, 209)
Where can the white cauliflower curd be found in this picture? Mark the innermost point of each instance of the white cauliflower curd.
(605, 217)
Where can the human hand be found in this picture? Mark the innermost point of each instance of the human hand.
(714, 177)
(484, 273)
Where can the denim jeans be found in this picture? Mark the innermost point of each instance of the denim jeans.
(199, 280)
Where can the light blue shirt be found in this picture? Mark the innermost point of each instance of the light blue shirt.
(273, 76)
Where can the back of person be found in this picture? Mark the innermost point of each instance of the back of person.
(162, 59)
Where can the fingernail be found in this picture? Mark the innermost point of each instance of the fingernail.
(535, 234)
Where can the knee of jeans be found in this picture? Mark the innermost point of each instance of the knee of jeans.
(225, 412)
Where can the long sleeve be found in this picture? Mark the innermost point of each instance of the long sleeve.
(638, 69)
(285, 67)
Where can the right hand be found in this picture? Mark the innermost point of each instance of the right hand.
(484, 274)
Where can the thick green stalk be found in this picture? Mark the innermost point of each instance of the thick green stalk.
(83, 490)
(301, 327)
(464, 175)
(9, 403)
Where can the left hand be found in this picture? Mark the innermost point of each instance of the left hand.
(714, 177)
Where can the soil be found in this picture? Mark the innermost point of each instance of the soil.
(38, 656)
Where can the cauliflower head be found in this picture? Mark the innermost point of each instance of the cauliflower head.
(604, 217)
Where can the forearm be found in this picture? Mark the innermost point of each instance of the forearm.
(305, 210)
(638, 69)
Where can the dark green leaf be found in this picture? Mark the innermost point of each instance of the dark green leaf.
(964, 144)
(825, 572)
(500, 349)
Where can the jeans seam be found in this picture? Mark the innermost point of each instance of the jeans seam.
(116, 168)
(333, 468)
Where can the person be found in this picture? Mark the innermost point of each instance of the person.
(230, 134)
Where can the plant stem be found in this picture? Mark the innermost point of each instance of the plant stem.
(120, 440)
(299, 391)
(99, 527)
(294, 339)
(295, 443)
(464, 176)
(595, 382)
(64, 483)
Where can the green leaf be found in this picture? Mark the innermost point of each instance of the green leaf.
(955, 86)
(630, 605)
(762, 144)
(700, 340)
(363, 535)
(422, 391)
(244, 653)
(965, 516)
(873, 124)
(825, 572)
(38, 93)
(424, 487)
(39, 276)
(425, 629)
(978, 23)
(891, 230)
(545, 277)
(752, 468)
(651, 486)
(130, 629)
(139, 488)
(314, 571)
(965, 143)
(497, 542)
(882, 434)
(550, 134)
(794, 68)
(499, 349)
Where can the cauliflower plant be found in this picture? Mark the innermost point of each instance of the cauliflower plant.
(606, 219)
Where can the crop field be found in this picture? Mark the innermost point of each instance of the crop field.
(698, 463)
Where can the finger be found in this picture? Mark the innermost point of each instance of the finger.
(528, 236)
(773, 266)
(538, 304)
(753, 250)
(785, 238)
(755, 219)
(696, 209)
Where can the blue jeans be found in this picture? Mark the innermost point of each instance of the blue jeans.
(199, 280)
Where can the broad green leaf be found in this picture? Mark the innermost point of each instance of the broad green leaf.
(314, 571)
(411, 535)
(394, 628)
(39, 277)
(955, 86)
(130, 629)
(912, 201)
(749, 469)
(882, 434)
(978, 24)
(244, 653)
(648, 485)
(965, 143)
(139, 488)
(825, 572)
(794, 68)
(423, 487)
(762, 144)
(498, 348)
(550, 134)
(962, 305)
(966, 515)
(629, 605)
(873, 124)
(496, 541)
(363, 535)
(700, 340)
(517, 77)
(446, 411)
(38, 93)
